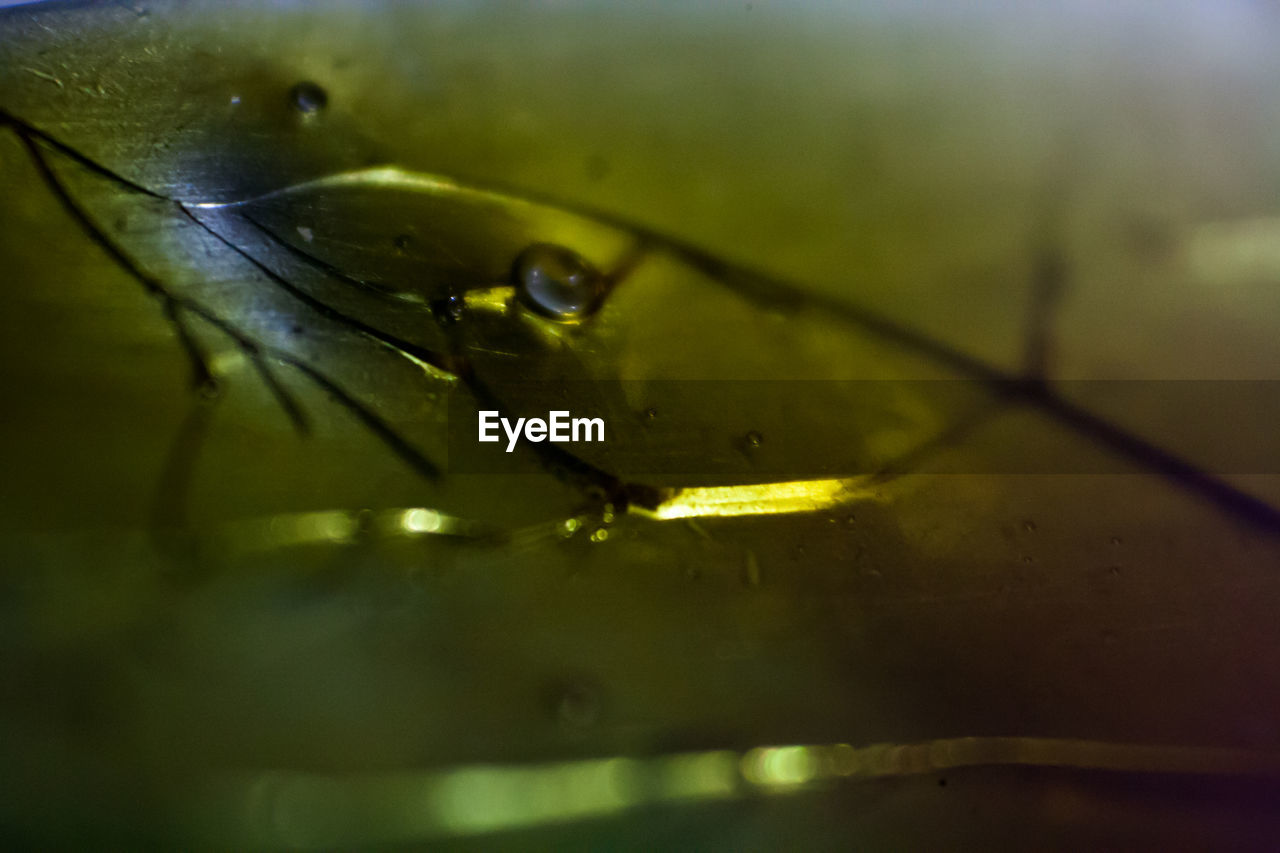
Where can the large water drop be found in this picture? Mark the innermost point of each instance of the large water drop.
(557, 282)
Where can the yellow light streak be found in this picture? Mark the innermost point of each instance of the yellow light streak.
(496, 300)
(797, 496)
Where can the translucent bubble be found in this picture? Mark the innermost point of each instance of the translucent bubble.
(307, 97)
(557, 282)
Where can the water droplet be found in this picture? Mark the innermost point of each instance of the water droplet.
(557, 282)
(449, 310)
(651, 414)
(754, 439)
(1027, 558)
(1029, 526)
(403, 242)
(235, 100)
(1116, 540)
(1113, 570)
(308, 98)
(600, 535)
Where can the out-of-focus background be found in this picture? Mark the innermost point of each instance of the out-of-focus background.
(218, 631)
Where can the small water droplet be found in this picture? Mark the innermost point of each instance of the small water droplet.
(1113, 570)
(308, 98)
(557, 282)
(1116, 540)
(1029, 526)
(600, 535)
(210, 388)
(235, 100)
(449, 310)
(568, 527)
(1027, 558)
(651, 414)
(754, 439)
(403, 242)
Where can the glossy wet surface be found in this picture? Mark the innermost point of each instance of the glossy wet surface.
(244, 295)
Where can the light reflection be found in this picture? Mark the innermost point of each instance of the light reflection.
(556, 225)
(338, 527)
(422, 521)
(489, 799)
(780, 766)
(698, 776)
(798, 496)
(315, 811)
(299, 528)
(419, 520)
(227, 361)
(496, 300)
